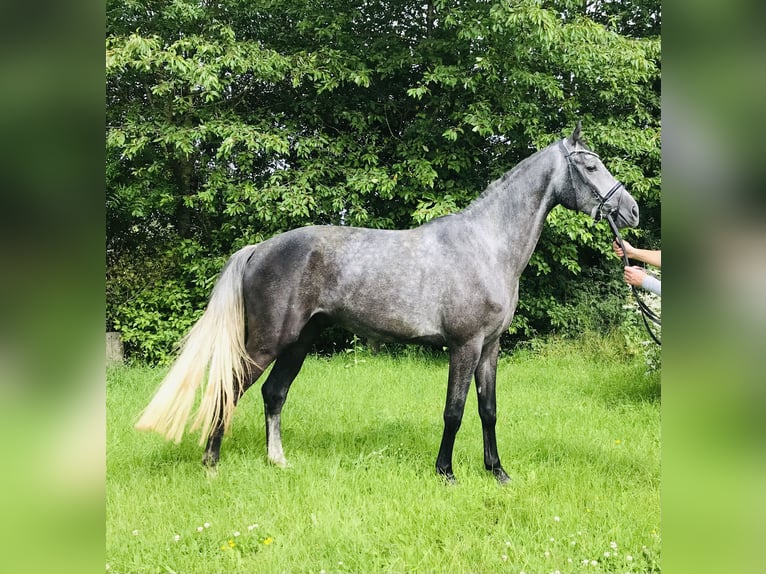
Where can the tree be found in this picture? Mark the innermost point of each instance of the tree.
(231, 121)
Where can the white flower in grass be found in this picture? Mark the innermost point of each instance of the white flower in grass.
(177, 537)
(504, 558)
(236, 533)
(135, 533)
(594, 562)
(585, 562)
(629, 558)
(206, 525)
(607, 554)
(613, 545)
(557, 519)
(547, 554)
(200, 529)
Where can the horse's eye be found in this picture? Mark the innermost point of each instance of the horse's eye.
(591, 167)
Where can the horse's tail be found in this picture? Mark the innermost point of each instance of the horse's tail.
(216, 340)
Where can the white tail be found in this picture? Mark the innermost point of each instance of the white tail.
(217, 340)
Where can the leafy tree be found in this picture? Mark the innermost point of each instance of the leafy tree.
(230, 121)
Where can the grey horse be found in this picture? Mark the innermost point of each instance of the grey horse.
(453, 282)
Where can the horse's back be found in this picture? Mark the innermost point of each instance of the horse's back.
(374, 282)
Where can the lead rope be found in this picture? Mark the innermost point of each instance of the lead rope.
(646, 312)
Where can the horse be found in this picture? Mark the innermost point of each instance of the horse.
(452, 282)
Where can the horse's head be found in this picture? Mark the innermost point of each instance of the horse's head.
(591, 188)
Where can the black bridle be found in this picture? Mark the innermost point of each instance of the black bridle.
(601, 211)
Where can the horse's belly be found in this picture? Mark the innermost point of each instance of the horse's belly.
(386, 325)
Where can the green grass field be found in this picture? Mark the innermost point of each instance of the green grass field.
(578, 431)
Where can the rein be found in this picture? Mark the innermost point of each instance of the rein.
(646, 312)
(600, 212)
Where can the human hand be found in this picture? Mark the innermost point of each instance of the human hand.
(634, 276)
(618, 249)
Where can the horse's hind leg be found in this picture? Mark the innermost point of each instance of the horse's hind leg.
(274, 392)
(213, 446)
(277, 385)
(486, 376)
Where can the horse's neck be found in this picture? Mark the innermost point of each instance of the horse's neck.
(512, 212)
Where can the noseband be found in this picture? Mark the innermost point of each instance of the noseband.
(600, 210)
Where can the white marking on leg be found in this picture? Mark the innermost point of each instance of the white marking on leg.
(274, 441)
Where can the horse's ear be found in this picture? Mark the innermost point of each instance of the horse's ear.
(575, 137)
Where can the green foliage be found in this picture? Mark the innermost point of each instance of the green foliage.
(635, 335)
(233, 121)
(154, 298)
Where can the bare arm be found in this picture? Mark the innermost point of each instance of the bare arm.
(650, 256)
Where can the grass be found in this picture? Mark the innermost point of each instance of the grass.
(578, 430)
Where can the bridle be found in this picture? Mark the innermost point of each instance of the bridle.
(601, 211)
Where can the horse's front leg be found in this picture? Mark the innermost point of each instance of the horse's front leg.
(486, 376)
(462, 364)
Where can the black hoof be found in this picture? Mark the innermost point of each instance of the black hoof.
(210, 459)
(501, 476)
(447, 475)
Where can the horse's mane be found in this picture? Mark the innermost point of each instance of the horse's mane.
(500, 182)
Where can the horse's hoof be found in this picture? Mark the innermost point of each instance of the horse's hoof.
(501, 476)
(447, 476)
(279, 462)
(210, 460)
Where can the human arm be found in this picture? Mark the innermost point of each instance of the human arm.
(650, 256)
(639, 278)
